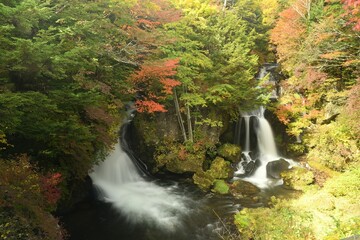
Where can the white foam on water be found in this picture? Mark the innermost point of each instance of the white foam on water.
(141, 201)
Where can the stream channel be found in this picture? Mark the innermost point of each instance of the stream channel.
(128, 204)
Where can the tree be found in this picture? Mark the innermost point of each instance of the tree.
(153, 83)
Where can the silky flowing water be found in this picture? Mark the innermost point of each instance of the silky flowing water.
(128, 205)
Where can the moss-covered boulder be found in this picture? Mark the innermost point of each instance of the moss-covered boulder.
(241, 189)
(297, 178)
(174, 157)
(230, 152)
(192, 163)
(219, 169)
(221, 187)
(203, 180)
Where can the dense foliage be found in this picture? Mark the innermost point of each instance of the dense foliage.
(317, 45)
(68, 68)
(63, 79)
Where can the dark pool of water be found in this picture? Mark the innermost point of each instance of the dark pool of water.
(98, 220)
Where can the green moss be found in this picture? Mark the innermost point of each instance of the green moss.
(331, 212)
(221, 187)
(280, 222)
(177, 158)
(297, 178)
(347, 184)
(203, 180)
(192, 163)
(230, 152)
(219, 168)
(241, 189)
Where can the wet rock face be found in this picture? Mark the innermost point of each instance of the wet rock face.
(251, 166)
(275, 168)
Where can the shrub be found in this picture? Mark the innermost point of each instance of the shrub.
(23, 203)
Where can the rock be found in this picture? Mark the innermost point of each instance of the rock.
(240, 189)
(330, 119)
(230, 152)
(220, 186)
(220, 168)
(251, 166)
(192, 163)
(274, 168)
(297, 178)
(203, 180)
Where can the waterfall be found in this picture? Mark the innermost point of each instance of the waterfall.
(253, 164)
(266, 140)
(140, 201)
(247, 133)
(254, 167)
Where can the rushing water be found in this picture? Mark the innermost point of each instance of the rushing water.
(141, 201)
(133, 207)
(263, 151)
(130, 206)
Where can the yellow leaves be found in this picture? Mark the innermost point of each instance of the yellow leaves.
(351, 62)
(322, 36)
(333, 55)
(270, 10)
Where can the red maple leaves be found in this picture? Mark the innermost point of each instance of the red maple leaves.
(154, 82)
(50, 189)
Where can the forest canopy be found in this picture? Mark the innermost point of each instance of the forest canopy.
(69, 69)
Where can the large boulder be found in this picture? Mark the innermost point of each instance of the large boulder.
(241, 189)
(274, 168)
(230, 152)
(219, 169)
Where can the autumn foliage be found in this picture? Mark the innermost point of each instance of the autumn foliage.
(25, 198)
(153, 83)
(50, 189)
(287, 34)
(352, 8)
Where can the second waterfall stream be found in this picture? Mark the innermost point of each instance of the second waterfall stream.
(255, 135)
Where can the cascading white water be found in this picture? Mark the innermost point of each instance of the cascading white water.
(265, 138)
(267, 151)
(141, 201)
(247, 133)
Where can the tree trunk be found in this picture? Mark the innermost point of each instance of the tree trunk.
(178, 114)
(224, 6)
(190, 131)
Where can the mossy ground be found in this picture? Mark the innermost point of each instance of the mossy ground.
(331, 212)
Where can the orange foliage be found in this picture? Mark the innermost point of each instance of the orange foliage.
(153, 82)
(352, 8)
(332, 55)
(287, 34)
(284, 113)
(149, 106)
(169, 84)
(150, 15)
(314, 78)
